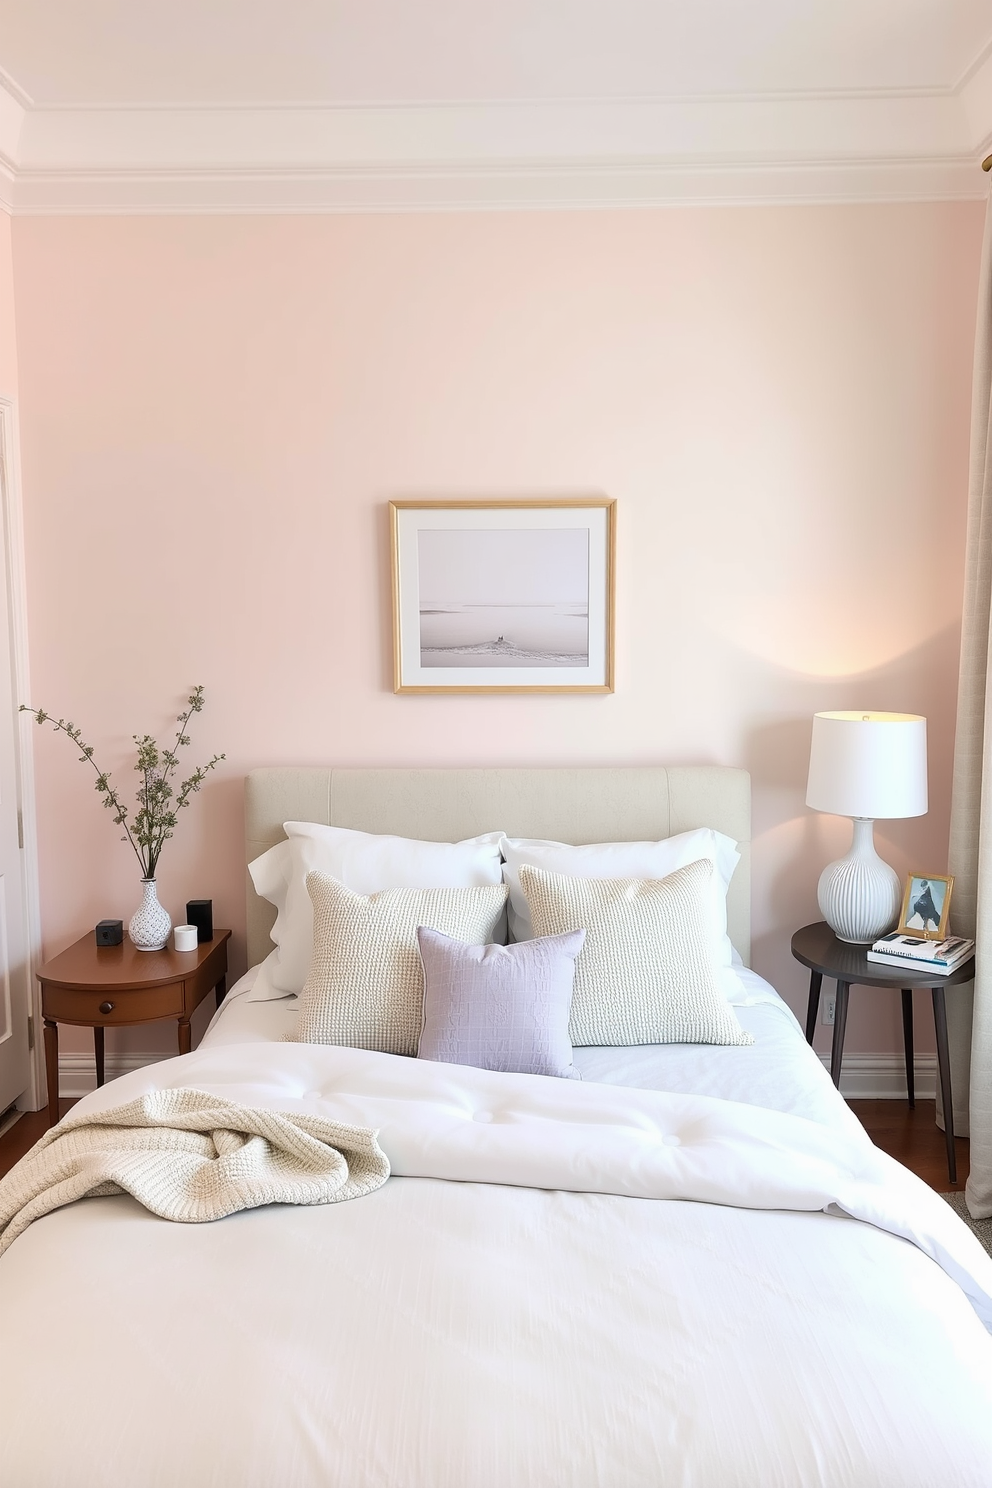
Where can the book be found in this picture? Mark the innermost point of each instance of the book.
(920, 949)
(941, 956)
(905, 963)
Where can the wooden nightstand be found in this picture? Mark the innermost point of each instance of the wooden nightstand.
(115, 986)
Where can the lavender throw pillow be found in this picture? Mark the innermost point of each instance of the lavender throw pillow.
(499, 1007)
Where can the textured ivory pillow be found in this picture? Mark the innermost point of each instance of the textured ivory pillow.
(364, 862)
(499, 1007)
(366, 982)
(646, 974)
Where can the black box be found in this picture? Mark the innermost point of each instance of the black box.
(110, 932)
(200, 912)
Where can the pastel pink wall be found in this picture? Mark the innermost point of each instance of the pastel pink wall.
(216, 410)
(8, 345)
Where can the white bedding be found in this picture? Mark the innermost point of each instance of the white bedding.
(778, 1071)
(468, 1125)
(467, 1334)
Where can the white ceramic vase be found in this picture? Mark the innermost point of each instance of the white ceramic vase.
(150, 924)
(860, 895)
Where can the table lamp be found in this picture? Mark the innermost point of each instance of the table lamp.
(866, 766)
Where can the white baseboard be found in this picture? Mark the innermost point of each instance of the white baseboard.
(77, 1072)
(883, 1076)
(863, 1077)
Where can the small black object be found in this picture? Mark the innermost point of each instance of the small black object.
(200, 912)
(110, 932)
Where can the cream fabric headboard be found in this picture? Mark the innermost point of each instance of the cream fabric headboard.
(614, 805)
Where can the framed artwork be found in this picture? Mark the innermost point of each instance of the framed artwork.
(926, 906)
(503, 596)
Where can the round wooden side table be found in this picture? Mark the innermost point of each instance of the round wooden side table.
(102, 987)
(817, 947)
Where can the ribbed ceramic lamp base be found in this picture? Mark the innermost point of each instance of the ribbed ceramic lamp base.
(859, 895)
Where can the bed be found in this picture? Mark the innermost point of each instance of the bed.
(519, 1304)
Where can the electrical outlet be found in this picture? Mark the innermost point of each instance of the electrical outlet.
(827, 1016)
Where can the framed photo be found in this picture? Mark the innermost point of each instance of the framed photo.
(926, 906)
(503, 596)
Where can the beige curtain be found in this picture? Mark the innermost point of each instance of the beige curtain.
(969, 1009)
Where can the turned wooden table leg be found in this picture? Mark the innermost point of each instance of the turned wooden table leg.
(98, 1052)
(52, 1069)
(813, 1005)
(185, 1036)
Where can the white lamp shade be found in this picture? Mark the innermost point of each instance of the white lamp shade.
(868, 765)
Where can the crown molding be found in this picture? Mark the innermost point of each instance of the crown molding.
(892, 146)
(975, 98)
(737, 130)
(977, 62)
(507, 186)
(7, 183)
(12, 115)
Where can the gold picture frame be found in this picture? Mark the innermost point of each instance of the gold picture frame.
(504, 595)
(921, 905)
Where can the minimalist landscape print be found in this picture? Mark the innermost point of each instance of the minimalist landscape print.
(925, 902)
(510, 597)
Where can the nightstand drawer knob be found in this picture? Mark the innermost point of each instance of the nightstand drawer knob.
(106, 1007)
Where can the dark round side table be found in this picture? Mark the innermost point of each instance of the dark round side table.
(817, 947)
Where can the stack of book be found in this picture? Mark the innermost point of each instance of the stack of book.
(938, 956)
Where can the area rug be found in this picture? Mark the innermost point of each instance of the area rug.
(981, 1227)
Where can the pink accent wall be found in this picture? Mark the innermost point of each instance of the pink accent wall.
(215, 412)
(8, 346)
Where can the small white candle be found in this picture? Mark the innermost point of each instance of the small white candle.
(184, 937)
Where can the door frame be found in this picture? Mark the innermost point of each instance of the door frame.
(12, 515)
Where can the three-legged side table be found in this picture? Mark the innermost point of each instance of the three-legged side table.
(817, 947)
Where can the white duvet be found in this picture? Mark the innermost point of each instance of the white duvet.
(534, 1298)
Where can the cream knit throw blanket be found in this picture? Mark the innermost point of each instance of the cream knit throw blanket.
(190, 1157)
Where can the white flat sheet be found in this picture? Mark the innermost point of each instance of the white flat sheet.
(778, 1071)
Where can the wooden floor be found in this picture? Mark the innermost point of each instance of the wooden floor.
(911, 1136)
(22, 1136)
(914, 1138)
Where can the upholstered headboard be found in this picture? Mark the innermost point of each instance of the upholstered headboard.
(614, 805)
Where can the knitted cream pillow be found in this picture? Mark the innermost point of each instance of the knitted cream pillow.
(366, 982)
(646, 974)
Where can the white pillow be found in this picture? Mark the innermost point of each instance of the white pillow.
(646, 973)
(623, 860)
(366, 983)
(364, 863)
(262, 988)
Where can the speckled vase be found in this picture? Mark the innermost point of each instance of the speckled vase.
(150, 924)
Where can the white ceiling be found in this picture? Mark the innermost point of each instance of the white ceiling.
(62, 54)
(123, 105)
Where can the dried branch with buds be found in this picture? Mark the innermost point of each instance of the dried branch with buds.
(159, 803)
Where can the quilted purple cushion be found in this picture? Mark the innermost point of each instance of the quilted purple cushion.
(499, 1007)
